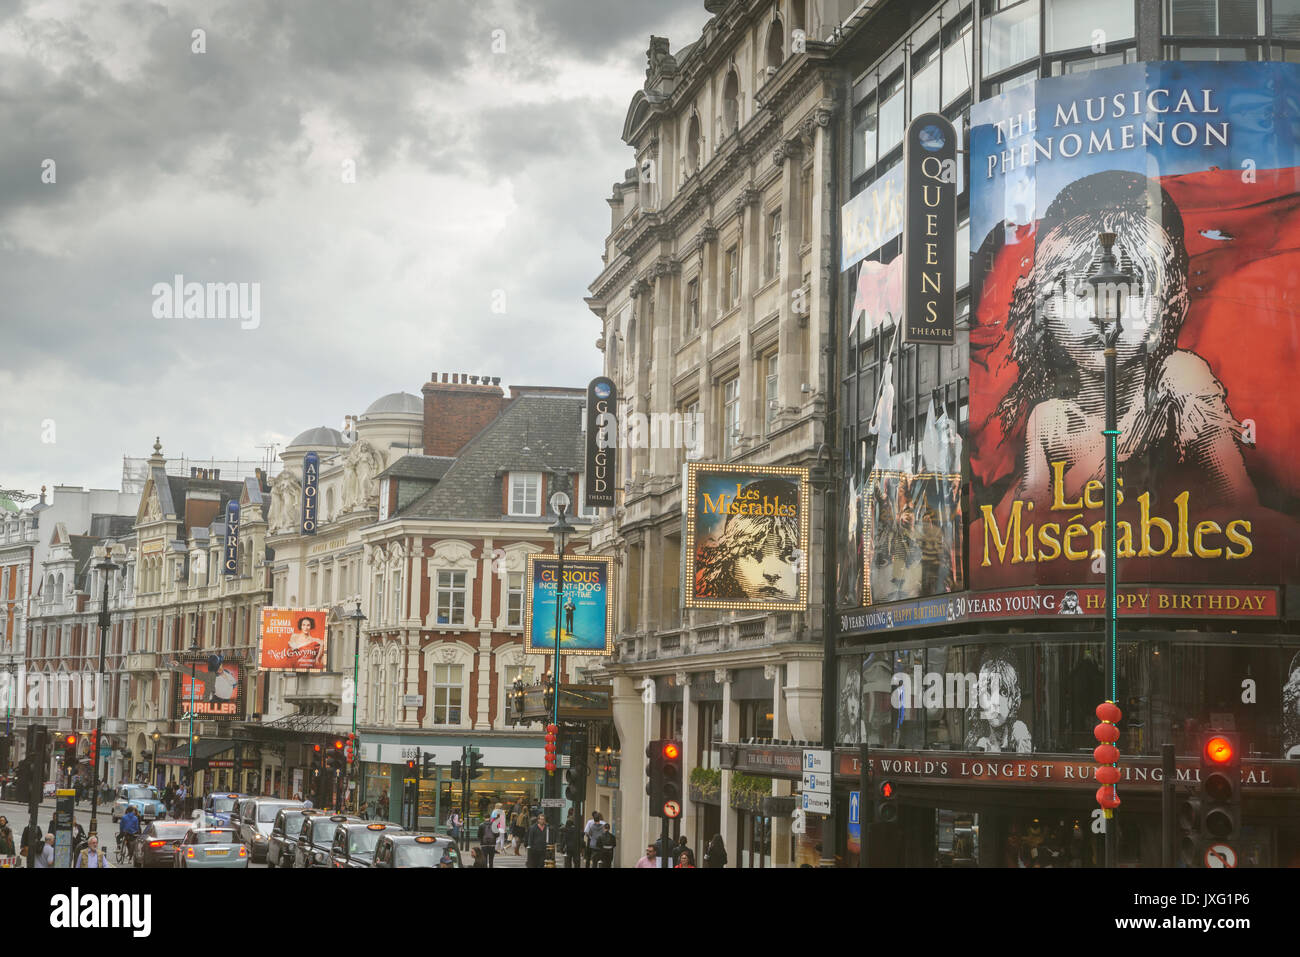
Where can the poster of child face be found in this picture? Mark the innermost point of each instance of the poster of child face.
(848, 719)
(993, 720)
(746, 537)
(1195, 170)
(1291, 711)
(912, 535)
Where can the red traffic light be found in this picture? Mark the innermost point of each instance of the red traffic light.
(1219, 750)
(70, 740)
(887, 789)
(316, 748)
(671, 751)
(338, 745)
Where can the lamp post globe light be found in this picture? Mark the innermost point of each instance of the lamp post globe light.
(357, 618)
(1109, 287)
(105, 555)
(561, 531)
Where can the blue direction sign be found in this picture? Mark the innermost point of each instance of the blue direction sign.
(855, 799)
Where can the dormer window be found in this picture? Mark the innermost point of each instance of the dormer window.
(525, 496)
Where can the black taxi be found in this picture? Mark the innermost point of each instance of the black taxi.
(355, 842)
(416, 850)
(316, 839)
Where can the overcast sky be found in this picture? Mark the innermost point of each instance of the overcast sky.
(476, 171)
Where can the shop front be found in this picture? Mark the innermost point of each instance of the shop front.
(512, 773)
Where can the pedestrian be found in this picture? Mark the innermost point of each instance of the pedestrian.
(591, 833)
(681, 849)
(479, 860)
(498, 820)
(90, 856)
(536, 840)
(383, 805)
(684, 859)
(571, 839)
(487, 842)
(6, 838)
(365, 810)
(45, 856)
(605, 845)
(519, 829)
(716, 855)
(453, 825)
(650, 858)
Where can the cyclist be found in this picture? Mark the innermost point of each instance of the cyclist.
(128, 829)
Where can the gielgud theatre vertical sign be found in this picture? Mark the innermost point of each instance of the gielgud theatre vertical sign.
(1194, 168)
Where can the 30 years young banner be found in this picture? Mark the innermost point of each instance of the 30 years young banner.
(1196, 169)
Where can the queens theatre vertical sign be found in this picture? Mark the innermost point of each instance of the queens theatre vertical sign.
(930, 234)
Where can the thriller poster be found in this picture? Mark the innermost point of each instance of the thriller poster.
(746, 537)
(1195, 167)
(214, 685)
(586, 618)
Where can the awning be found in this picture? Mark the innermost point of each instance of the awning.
(206, 748)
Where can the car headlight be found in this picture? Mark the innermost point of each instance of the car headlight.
(320, 857)
(260, 837)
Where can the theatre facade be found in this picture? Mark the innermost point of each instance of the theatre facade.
(970, 653)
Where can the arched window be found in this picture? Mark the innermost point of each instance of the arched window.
(693, 144)
(630, 352)
(49, 587)
(376, 689)
(730, 104)
(329, 505)
(393, 683)
(775, 45)
(58, 588)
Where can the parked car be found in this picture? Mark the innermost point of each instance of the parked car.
(416, 850)
(144, 797)
(257, 818)
(316, 840)
(220, 808)
(285, 831)
(157, 844)
(206, 847)
(355, 841)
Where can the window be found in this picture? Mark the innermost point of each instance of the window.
(581, 510)
(451, 598)
(693, 144)
(691, 436)
(925, 81)
(394, 682)
(957, 54)
(1213, 18)
(692, 306)
(708, 735)
(730, 416)
(514, 599)
(730, 104)
(446, 694)
(313, 595)
(770, 400)
(377, 598)
(864, 137)
(525, 493)
(892, 119)
(383, 500)
(1011, 37)
(773, 244)
(376, 689)
(520, 672)
(1074, 23)
(806, 204)
(397, 596)
(328, 595)
(1286, 21)
(732, 278)
(775, 51)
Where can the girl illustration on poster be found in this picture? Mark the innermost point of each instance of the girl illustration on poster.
(754, 559)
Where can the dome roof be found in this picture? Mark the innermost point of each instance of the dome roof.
(396, 402)
(320, 437)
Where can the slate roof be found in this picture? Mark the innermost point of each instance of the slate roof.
(428, 467)
(171, 492)
(534, 432)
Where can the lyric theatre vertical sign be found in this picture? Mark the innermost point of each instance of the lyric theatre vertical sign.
(930, 230)
(602, 458)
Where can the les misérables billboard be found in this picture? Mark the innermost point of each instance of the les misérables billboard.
(1194, 167)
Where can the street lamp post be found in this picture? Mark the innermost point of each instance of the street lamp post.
(194, 650)
(560, 533)
(105, 553)
(1109, 287)
(357, 617)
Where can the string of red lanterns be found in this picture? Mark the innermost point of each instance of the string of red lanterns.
(1107, 756)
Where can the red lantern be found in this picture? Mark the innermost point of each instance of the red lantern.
(1107, 798)
(1106, 732)
(1108, 774)
(1108, 711)
(1105, 754)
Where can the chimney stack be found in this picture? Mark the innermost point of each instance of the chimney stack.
(457, 410)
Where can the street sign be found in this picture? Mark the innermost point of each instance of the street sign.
(855, 802)
(672, 809)
(412, 701)
(815, 803)
(1220, 855)
(819, 761)
(821, 783)
(552, 802)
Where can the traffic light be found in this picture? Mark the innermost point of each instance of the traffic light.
(551, 731)
(1220, 787)
(475, 768)
(576, 778)
(69, 750)
(457, 772)
(663, 773)
(337, 758)
(886, 807)
(429, 760)
(5, 747)
(410, 768)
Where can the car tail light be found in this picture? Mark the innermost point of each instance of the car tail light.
(189, 852)
(243, 851)
(157, 843)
